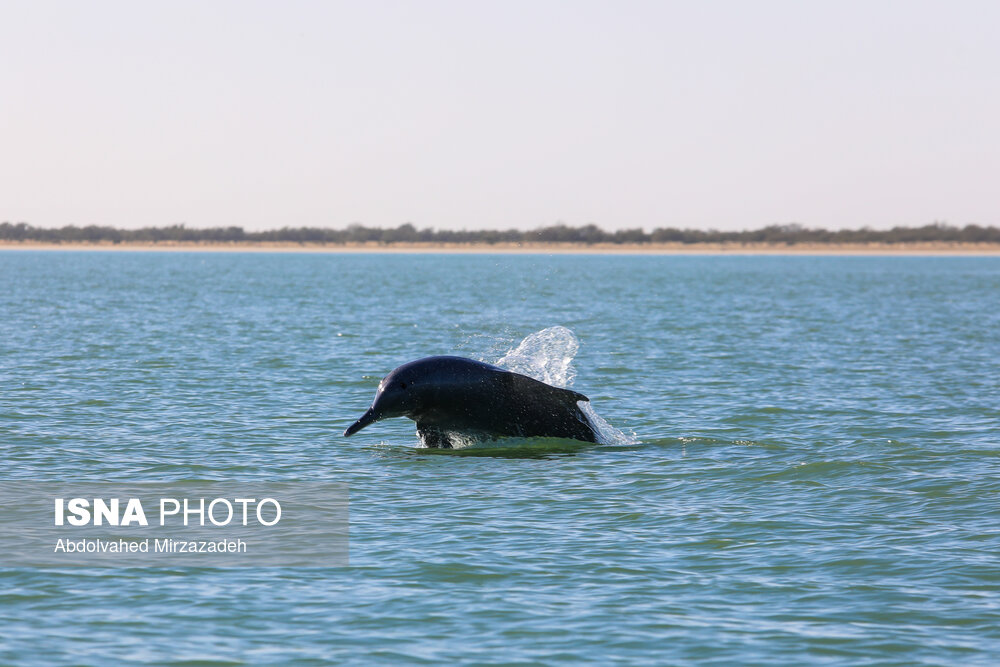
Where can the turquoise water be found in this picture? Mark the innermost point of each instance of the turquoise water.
(814, 473)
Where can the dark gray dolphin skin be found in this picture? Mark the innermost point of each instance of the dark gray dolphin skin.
(456, 395)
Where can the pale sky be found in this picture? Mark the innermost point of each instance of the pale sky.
(474, 114)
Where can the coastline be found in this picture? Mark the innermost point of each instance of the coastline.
(913, 249)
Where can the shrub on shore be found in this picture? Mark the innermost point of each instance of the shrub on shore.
(587, 235)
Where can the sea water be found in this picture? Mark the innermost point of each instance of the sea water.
(802, 459)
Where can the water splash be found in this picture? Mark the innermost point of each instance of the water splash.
(547, 355)
(606, 433)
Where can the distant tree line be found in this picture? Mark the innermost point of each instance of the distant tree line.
(586, 235)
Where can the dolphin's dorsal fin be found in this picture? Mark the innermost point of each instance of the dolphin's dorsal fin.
(575, 395)
(524, 384)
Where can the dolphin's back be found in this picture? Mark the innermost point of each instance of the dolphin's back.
(547, 411)
(484, 398)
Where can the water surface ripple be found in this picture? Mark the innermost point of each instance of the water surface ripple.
(816, 477)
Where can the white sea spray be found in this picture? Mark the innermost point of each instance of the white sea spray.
(547, 355)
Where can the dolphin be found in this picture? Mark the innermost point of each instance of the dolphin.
(453, 395)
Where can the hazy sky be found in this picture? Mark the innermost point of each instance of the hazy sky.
(469, 114)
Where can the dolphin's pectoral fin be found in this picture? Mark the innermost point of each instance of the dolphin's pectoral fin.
(432, 437)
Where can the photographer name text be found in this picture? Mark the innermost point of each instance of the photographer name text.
(166, 546)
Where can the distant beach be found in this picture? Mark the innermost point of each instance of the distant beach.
(926, 248)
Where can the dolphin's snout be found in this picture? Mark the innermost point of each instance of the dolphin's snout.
(366, 419)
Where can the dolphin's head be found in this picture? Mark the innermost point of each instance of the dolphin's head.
(401, 393)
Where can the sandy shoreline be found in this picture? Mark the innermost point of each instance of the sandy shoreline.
(934, 248)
